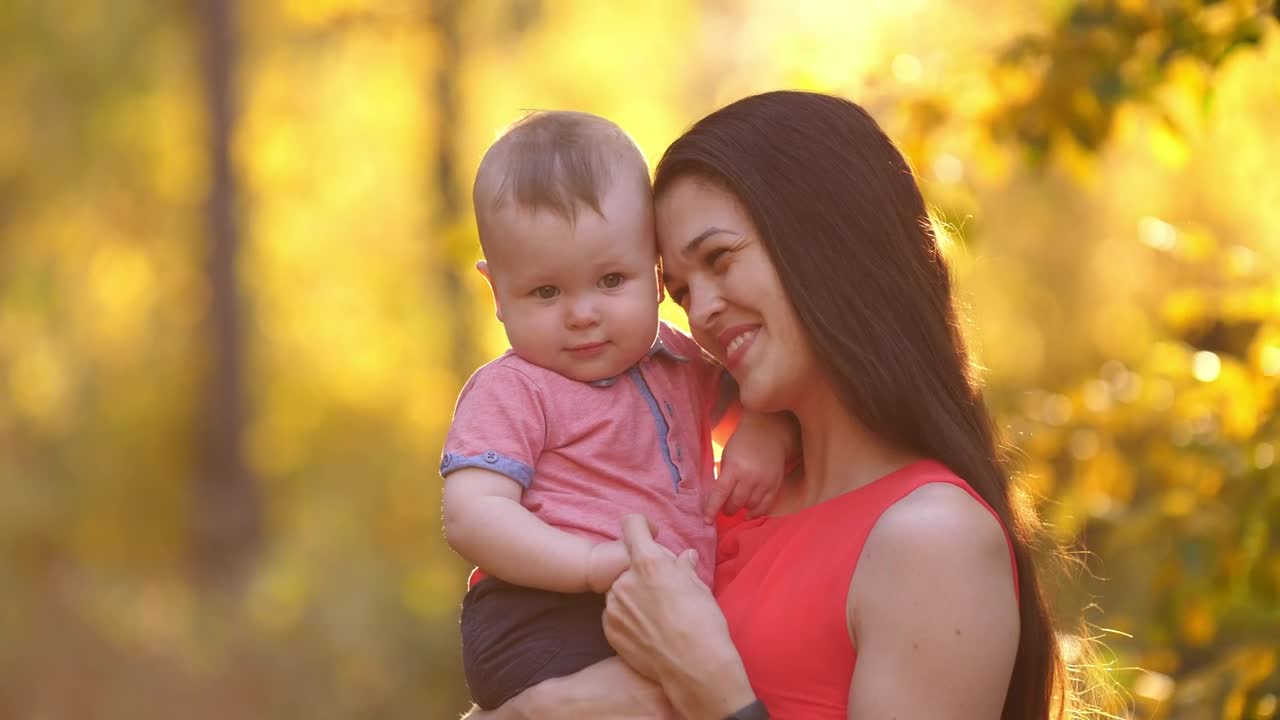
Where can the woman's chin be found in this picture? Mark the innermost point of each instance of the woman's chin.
(758, 397)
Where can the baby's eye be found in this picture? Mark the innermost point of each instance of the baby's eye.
(546, 292)
(610, 281)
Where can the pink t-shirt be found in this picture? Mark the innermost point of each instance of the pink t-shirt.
(588, 453)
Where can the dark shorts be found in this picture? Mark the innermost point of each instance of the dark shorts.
(515, 637)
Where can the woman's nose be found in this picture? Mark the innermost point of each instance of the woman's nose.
(705, 305)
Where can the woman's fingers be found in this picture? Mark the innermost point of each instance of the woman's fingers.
(689, 559)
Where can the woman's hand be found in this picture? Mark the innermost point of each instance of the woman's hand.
(664, 622)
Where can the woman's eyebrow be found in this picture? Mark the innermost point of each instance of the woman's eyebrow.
(692, 246)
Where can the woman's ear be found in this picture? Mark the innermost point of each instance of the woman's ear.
(483, 268)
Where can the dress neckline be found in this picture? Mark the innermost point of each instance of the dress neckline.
(915, 466)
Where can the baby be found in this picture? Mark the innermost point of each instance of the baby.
(596, 411)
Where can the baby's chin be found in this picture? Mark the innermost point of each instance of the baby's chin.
(606, 368)
(595, 374)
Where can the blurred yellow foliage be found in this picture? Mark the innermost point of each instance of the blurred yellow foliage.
(1105, 173)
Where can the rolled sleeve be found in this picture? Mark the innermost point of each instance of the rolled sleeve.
(499, 424)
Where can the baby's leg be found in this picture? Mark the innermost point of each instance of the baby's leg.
(515, 637)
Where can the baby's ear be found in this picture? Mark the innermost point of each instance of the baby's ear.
(662, 287)
(483, 268)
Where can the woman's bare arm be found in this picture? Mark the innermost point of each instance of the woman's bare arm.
(933, 611)
(609, 690)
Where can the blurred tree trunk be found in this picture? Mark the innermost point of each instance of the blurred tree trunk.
(444, 96)
(226, 514)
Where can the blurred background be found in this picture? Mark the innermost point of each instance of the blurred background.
(237, 304)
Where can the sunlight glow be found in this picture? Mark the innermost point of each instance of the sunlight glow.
(948, 168)
(1266, 708)
(1153, 686)
(1271, 361)
(1206, 366)
(1264, 455)
(1157, 233)
(907, 68)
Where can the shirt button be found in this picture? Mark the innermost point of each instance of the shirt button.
(669, 409)
(491, 457)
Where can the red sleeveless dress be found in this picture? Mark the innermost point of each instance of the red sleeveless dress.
(783, 582)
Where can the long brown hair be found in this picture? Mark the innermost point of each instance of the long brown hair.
(848, 231)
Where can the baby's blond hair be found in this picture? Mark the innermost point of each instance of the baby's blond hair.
(558, 161)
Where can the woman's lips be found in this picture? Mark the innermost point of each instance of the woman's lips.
(736, 341)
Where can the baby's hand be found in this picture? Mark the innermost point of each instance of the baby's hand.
(606, 562)
(752, 466)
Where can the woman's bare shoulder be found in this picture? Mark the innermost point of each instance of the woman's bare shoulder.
(938, 531)
(940, 517)
(937, 561)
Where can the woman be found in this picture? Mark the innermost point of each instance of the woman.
(794, 235)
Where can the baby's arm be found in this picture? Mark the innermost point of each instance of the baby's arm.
(758, 450)
(499, 431)
(486, 524)
(754, 464)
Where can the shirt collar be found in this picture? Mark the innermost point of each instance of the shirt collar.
(658, 347)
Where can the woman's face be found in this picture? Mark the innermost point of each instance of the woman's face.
(716, 266)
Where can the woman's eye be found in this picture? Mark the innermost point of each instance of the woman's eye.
(715, 256)
(679, 295)
(612, 280)
(546, 292)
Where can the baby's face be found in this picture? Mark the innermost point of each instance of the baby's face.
(580, 299)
